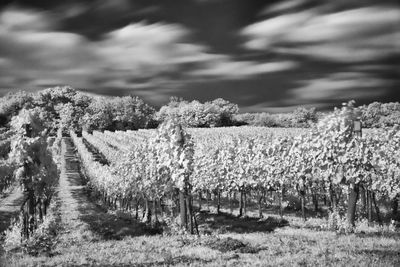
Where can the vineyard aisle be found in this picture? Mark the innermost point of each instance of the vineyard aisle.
(9, 207)
(81, 216)
(71, 195)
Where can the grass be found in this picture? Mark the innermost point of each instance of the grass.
(277, 245)
(92, 238)
(284, 247)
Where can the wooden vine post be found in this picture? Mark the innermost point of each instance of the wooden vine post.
(354, 187)
(180, 140)
(28, 206)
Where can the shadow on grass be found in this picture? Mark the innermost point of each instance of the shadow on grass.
(226, 222)
(107, 225)
(168, 261)
(386, 234)
(381, 254)
(271, 208)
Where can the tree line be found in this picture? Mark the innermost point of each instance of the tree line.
(67, 108)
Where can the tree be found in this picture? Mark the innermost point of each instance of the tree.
(226, 111)
(98, 116)
(131, 113)
(51, 97)
(218, 112)
(264, 119)
(11, 104)
(302, 117)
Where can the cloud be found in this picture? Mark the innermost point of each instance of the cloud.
(155, 60)
(137, 56)
(36, 54)
(161, 48)
(284, 6)
(265, 34)
(57, 56)
(16, 19)
(33, 54)
(360, 34)
(272, 107)
(141, 49)
(242, 69)
(338, 87)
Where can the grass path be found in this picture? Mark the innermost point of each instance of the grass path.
(79, 215)
(68, 192)
(10, 207)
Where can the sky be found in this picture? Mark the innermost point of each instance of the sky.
(266, 56)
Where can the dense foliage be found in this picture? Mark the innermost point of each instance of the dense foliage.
(119, 113)
(377, 115)
(300, 118)
(216, 113)
(151, 167)
(329, 161)
(68, 109)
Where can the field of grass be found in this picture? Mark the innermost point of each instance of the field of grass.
(89, 235)
(239, 244)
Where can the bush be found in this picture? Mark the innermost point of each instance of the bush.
(40, 242)
(12, 236)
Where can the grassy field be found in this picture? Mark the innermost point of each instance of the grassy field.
(230, 242)
(89, 235)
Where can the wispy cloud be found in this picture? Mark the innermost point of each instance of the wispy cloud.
(274, 107)
(338, 87)
(360, 34)
(32, 50)
(16, 19)
(136, 56)
(155, 51)
(242, 69)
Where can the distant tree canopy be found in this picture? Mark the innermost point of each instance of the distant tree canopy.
(377, 114)
(218, 112)
(11, 104)
(300, 118)
(66, 108)
(119, 113)
(374, 115)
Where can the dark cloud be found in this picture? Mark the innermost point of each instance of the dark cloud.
(264, 55)
(358, 37)
(136, 56)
